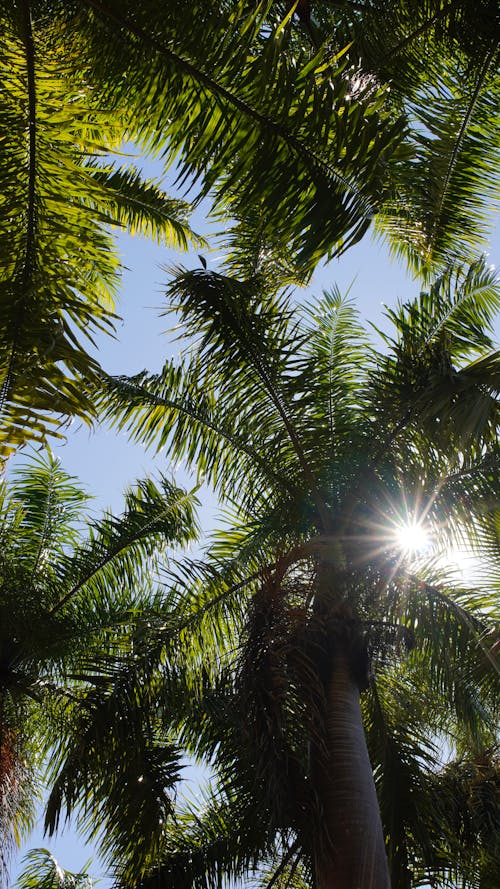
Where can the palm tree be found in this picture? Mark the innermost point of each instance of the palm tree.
(327, 660)
(77, 597)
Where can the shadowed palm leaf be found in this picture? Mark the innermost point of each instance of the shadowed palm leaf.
(76, 603)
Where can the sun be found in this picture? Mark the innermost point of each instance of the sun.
(413, 539)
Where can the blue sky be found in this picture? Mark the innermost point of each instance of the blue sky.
(105, 462)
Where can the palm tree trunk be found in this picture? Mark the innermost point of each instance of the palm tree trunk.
(350, 852)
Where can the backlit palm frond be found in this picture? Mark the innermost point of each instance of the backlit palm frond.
(428, 381)
(445, 191)
(79, 623)
(199, 846)
(465, 513)
(42, 871)
(255, 121)
(401, 41)
(119, 547)
(242, 320)
(181, 412)
(50, 504)
(401, 756)
(464, 796)
(455, 656)
(112, 720)
(141, 206)
(44, 225)
(59, 268)
(330, 382)
(207, 599)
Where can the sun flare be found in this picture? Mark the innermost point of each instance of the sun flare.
(413, 539)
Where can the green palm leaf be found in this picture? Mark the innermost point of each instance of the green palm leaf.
(77, 605)
(445, 193)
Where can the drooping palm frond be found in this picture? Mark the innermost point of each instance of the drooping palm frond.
(18, 789)
(444, 194)
(77, 606)
(141, 206)
(186, 409)
(111, 718)
(211, 841)
(58, 265)
(464, 794)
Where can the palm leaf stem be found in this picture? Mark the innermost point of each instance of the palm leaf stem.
(295, 441)
(27, 264)
(357, 7)
(472, 626)
(308, 156)
(464, 473)
(46, 525)
(461, 135)
(63, 693)
(235, 588)
(108, 557)
(32, 138)
(416, 33)
(283, 863)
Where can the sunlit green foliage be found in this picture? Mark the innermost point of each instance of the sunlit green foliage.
(59, 268)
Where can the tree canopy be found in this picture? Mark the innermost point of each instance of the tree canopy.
(300, 143)
(310, 659)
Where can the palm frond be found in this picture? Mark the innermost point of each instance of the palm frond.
(199, 847)
(42, 871)
(452, 397)
(401, 756)
(50, 502)
(445, 191)
(181, 412)
(153, 514)
(128, 806)
(141, 206)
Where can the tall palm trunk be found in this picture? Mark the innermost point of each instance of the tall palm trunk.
(350, 852)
